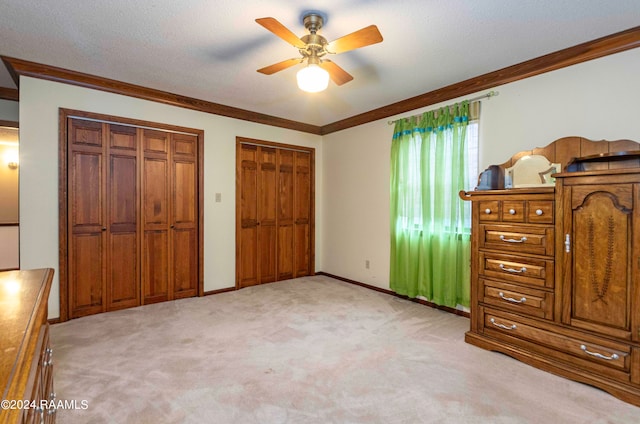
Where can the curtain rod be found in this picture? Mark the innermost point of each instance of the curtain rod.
(487, 96)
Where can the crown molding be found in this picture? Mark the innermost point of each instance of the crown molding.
(610, 44)
(604, 46)
(19, 67)
(9, 94)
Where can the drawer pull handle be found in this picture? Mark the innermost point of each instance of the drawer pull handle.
(503, 238)
(487, 211)
(511, 299)
(539, 212)
(515, 271)
(48, 359)
(613, 357)
(512, 211)
(505, 327)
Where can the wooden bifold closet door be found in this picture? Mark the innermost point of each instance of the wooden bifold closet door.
(274, 212)
(132, 211)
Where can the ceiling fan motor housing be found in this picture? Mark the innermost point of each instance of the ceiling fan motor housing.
(315, 43)
(313, 22)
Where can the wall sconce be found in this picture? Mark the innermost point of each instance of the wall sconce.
(11, 158)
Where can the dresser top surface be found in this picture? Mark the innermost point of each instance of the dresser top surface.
(21, 293)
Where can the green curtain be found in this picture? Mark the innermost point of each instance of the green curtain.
(430, 225)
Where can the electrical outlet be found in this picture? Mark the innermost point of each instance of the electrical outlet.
(367, 264)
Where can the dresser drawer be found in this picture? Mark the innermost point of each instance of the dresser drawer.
(523, 300)
(513, 211)
(540, 211)
(517, 239)
(520, 269)
(601, 356)
(489, 211)
(516, 211)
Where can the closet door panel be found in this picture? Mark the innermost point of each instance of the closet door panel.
(86, 219)
(155, 141)
(286, 195)
(155, 194)
(302, 214)
(247, 196)
(122, 266)
(123, 138)
(184, 248)
(84, 133)
(267, 214)
(122, 281)
(86, 274)
(185, 263)
(285, 252)
(302, 250)
(184, 192)
(87, 201)
(155, 267)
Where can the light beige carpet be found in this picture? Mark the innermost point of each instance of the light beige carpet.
(311, 350)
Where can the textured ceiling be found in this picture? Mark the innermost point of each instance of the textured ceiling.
(210, 50)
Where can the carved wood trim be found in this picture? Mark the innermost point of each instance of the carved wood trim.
(567, 148)
(19, 67)
(604, 46)
(11, 124)
(594, 49)
(9, 94)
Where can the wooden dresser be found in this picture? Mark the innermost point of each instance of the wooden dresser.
(26, 362)
(556, 270)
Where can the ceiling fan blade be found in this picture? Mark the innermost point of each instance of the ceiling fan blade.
(361, 38)
(281, 31)
(277, 67)
(338, 75)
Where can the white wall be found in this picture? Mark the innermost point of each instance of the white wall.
(39, 103)
(9, 247)
(597, 100)
(8, 110)
(8, 235)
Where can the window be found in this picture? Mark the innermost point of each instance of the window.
(433, 158)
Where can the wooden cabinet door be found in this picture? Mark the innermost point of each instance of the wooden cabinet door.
(266, 212)
(155, 216)
(247, 216)
(122, 259)
(600, 272)
(86, 218)
(286, 193)
(184, 216)
(257, 215)
(302, 214)
(103, 254)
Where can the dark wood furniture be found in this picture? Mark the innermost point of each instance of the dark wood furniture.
(26, 361)
(556, 270)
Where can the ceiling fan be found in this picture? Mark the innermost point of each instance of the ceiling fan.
(313, 47)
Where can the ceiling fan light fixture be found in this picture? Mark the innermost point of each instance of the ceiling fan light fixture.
(312, 78)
